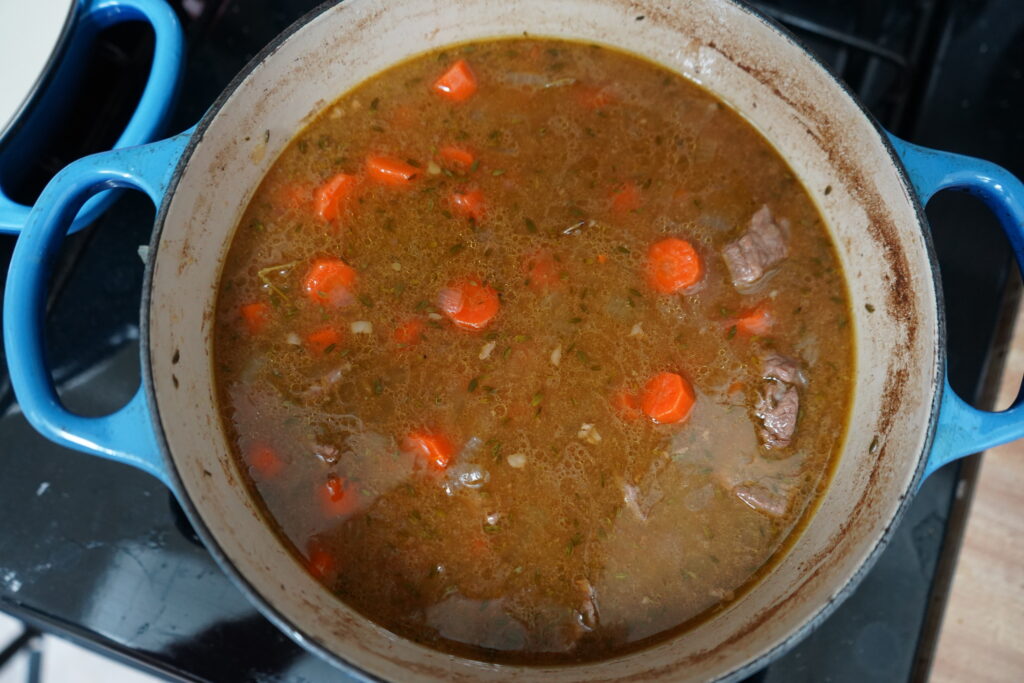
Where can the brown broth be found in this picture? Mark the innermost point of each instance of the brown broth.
(589, 548)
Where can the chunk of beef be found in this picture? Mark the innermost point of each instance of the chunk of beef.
(778, 403)
(782, 369)
(777, 408)
(759, 250)
(763, 500)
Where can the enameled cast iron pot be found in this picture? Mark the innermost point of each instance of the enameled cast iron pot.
(870, 187)
(44, 46)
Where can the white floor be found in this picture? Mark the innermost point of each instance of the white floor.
(63, 662)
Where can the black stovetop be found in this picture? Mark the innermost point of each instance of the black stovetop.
(101, 554)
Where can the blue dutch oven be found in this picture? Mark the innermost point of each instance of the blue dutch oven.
(905, 420)
(51, 41)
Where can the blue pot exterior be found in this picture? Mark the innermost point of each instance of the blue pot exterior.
(960, 429)
(147, 122)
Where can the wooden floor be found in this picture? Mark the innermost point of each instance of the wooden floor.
(982, 634)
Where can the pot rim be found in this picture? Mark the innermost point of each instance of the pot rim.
(312, 644)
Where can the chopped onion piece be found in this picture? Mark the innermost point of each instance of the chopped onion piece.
(396, 266)
(434, 316)
(589, 434)
(556, 356)
(449, 300)
(517, 460)
(485, 352)
(362, 327)
(293, 339)
(472, 477)
(637, 331)
(433, 168)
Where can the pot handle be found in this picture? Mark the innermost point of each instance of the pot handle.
(126, 435)
(154, 106)
(961, 429)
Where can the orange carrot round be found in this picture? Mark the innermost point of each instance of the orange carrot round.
(264, 462)
(456, 155)
(673, 265)
(337, 497)
(469, 304)
(330, 197)
(319, 561)
(457, 83)
(256, 316)
(390, 171)
(667, 398)
(434, 448)
(329, 282)
(756, 322)
(322, 340)
(469, 204)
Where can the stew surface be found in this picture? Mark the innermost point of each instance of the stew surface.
(534, 351)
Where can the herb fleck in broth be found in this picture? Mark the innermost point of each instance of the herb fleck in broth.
(491, 355)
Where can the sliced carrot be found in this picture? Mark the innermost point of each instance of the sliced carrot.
(469, 303)
(626, 404)
(593, 97)
(329, 282)
(542, 271)
(256, 316)
(602, 258)
(457, 83)
(756, 322)
(434, 448)
(330, 198)
(323, 340)
(469, 204)
(264, 462)
(667, 398)
(456, 155)
(338, 498)
(626, 198)
(410, 332)
(390, 171)
(320, 562)
(673, 265)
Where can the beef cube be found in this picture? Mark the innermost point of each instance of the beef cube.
(782, 369)
(763, 500)
(759, 250)
(777, 408)
(778, 403)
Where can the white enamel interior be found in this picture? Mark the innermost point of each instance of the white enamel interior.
(30, 32)
(788, 97)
